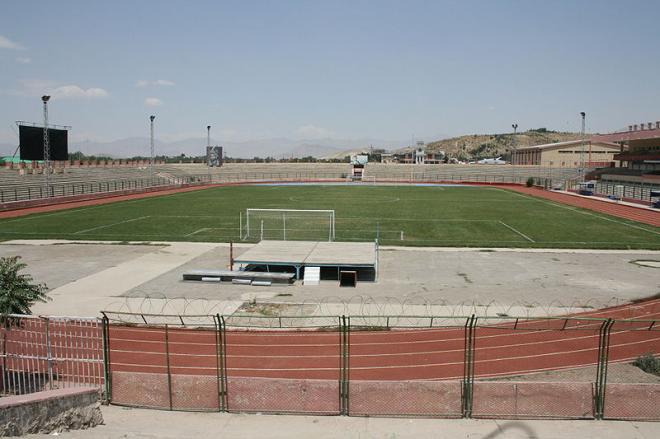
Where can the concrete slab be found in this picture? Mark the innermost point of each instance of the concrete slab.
(278, 252)
(343, 253)
(92, 293)
(121, 422)
(418, 281)
(310, 253)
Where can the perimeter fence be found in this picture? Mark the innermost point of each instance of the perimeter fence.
(621, 190)
(45, 353)
(35, 190)
(408, 366)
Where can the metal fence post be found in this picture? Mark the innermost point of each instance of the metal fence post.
(221, 362)
(49, 353)
(601, 369)
(344, 326)
(107, 378)
(468, 365)
(169, 372)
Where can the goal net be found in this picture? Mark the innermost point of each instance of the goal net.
(288, 224)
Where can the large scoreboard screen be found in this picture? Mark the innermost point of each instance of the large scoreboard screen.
(32, 143)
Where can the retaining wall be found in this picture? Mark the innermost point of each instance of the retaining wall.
(50, 411)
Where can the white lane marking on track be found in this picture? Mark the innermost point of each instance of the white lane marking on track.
(110, 225)
(513, 229)
(409, 366)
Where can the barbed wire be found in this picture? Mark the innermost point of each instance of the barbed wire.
(246, 311)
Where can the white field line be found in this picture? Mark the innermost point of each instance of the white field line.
(441, 220)
(165, 235)
(578, 210)
(513, 229)
(110, 225)
(37, 215)
(198, 231)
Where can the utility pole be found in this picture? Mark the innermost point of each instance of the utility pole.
(582, 134)
(513, 150)
(208, 150)
(46, 169)
(151, 161)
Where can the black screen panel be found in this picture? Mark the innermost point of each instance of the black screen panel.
(32, 143)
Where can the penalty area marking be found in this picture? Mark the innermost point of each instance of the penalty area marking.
(111, 225)
(513, 229)
(360, 199)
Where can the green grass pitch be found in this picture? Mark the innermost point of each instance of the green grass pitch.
(399, 215)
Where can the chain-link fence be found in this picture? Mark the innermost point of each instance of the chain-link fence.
(511, 359)
(481, 367)
(413, 366)
(44, 353)
(630, 393)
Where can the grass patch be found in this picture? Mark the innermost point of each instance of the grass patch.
(648, 363)
(646, 299)
(456, 216)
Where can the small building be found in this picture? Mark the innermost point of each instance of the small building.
(595, 154)
(419, 156)
(358, 163)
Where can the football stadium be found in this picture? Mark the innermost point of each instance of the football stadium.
(392, 219)
(307, 292)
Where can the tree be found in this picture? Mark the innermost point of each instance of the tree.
(17, 291)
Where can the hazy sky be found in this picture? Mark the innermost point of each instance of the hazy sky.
(342, 69)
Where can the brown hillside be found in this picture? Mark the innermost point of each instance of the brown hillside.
(477, 146)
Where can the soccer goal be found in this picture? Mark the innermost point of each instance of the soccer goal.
(288, 224)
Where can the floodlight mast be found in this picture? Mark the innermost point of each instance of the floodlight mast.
(582, 137)
(513, 150)
(151, 161)
(46, 170)
(208, 150)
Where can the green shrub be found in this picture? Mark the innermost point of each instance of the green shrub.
(648, 363)
(530, 182)
(18, 292)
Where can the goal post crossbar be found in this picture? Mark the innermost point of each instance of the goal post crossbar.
(282, 215)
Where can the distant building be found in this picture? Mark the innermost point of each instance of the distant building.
(419, 156)
(640, 161)
(596, 154)
(358, 163)
(643, 143)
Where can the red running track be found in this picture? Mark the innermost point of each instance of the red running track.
(404, 354)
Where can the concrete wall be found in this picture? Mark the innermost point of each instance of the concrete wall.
(49, 411)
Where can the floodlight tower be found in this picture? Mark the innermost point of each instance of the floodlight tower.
(46, 169)
(151, 161)
(582, 134)
(208, 150)
(513, 150)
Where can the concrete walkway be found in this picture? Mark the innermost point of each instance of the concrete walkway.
(97, 291)
(142, 424)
